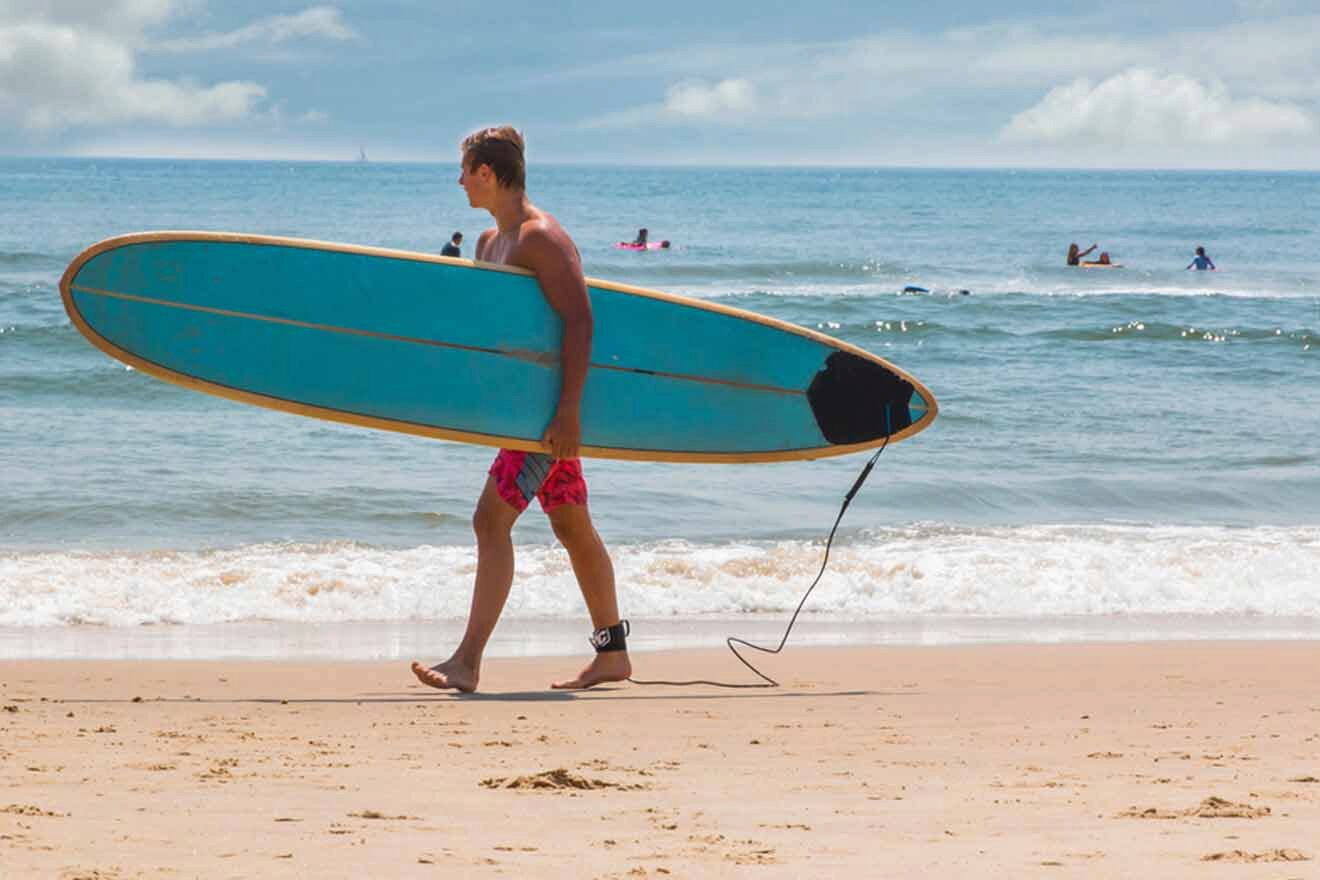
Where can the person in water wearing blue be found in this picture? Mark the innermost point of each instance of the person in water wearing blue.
(1201, 261)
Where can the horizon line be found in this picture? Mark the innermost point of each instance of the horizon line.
(889, 166)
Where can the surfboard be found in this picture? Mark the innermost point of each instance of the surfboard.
(448, 348)
(1094, 265)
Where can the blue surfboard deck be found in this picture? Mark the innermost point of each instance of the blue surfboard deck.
(467, 351)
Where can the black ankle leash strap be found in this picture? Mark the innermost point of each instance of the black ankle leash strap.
(611, 638)
(733, 641)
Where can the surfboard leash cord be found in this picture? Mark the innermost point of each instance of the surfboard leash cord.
(733, 641)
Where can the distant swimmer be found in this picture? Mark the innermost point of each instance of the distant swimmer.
(641, 243)
(1201, 261)
(1075, 255)
(451, 248)
(912, 288)
(1102, 262)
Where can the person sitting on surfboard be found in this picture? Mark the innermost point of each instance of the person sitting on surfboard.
(1201, 261)
(493, 176)
(1075, 255)
(642, 242)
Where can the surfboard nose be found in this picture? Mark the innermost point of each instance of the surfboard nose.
(856, 400)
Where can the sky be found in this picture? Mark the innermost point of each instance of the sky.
(1157, 83)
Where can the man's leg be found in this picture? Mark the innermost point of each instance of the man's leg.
(595, 577)
(493, 523)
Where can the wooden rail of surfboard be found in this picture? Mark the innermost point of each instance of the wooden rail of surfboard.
(282, 405)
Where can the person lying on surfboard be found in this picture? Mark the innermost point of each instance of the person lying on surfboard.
(493, 176)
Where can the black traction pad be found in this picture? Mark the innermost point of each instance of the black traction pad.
(850, 395)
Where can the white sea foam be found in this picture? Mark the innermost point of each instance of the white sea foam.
(1087, 284)
(1021, 572)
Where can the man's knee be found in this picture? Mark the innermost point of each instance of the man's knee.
(571, 527)
(488, 522)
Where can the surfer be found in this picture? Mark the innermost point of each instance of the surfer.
(452, 247)
(1075, 255)
(493, 176)
(1201, 261)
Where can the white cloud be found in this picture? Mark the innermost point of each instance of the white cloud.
(120, 19)
(1272, 60)
(728, 100)
(54, 77)
(318, 21)
(1139, 107)
(699, 99)
(72, 64)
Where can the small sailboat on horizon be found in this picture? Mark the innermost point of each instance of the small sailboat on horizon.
(362, 155)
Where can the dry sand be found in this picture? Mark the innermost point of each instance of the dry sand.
(1140, 760)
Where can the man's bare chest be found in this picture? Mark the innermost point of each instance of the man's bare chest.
(501, 250)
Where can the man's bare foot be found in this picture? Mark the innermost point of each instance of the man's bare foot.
(450, 674)
(609, 666)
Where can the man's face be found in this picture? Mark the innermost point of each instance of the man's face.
(476, 182)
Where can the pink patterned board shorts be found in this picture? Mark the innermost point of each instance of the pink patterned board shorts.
(554, 481)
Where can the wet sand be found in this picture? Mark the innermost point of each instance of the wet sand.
(1170, 759)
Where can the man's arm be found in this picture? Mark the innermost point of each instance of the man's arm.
(550, 254)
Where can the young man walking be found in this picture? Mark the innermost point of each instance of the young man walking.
(494, 178)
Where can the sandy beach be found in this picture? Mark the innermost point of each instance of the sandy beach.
(1167, 759)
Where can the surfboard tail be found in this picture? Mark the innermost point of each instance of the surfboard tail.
(855, 400)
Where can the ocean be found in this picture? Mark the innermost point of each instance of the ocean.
(1130, 452)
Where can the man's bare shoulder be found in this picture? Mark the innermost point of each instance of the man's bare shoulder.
(483, 241)
(541, 239)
